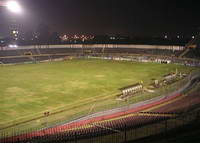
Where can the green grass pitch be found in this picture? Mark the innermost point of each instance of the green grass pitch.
(30, 89)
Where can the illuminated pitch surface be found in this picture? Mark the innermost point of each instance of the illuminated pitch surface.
(34, 88)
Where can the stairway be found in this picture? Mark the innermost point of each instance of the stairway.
(38, 51)
(184, 52)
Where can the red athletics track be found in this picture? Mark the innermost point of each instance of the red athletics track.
(77, 124)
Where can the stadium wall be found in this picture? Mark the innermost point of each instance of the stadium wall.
(171, 47)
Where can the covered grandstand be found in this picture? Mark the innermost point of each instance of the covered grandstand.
(40, 53)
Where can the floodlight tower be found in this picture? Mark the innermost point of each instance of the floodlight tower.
(15, 8)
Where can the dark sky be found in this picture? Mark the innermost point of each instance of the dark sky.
(128, 17)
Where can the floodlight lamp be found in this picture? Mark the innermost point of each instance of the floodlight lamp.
(13, 6)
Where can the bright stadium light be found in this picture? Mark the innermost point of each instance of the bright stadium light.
(14, 7)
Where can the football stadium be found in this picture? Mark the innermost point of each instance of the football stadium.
(81, 93)
(99, 71)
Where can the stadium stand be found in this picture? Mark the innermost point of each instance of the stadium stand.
(32, 54)
(188, 134)
(192, 48)
(120, 126)
(99, 129)
(39, 54)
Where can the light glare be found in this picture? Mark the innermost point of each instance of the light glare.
(14, 7)
(12, 46)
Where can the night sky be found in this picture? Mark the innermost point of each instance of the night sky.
(126, 17)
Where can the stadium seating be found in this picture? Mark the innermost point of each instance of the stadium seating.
(98, 129)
